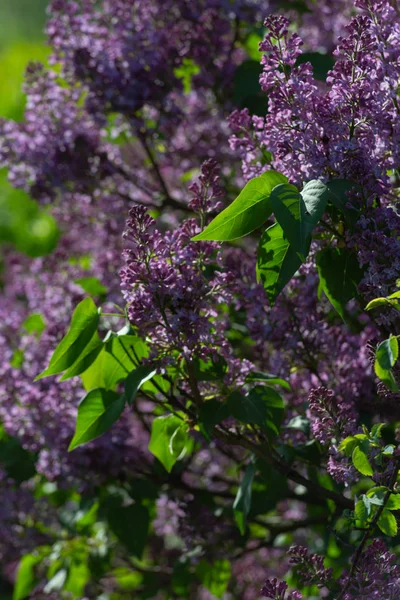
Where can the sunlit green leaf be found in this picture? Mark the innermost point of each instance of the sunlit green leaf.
(84, 323)
(169, 440)
(277, 262)
(248, 212)
(387, 523)
(97, 412)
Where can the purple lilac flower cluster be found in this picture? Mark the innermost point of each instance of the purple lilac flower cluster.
(277, 591)
(346, 128)
(123, 70)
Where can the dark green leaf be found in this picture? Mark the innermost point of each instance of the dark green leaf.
(97, 412)
(276, 485)
(182, 579)
(211, 414)
(339, 274)
(85, 320)
(386, 356)
(268, 379)
(262, 406)
(129, 523)
(86, 359)
(242, 503)
(169, 440)
(321, 63)
(209, 370)
(247, 92)
(277, 262)
(248, 212)
(136, 379)
(339, 190)
(298, 213)
(17, 462)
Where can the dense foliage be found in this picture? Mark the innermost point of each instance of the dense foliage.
(200, 304)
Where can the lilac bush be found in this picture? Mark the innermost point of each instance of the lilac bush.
(199, 385)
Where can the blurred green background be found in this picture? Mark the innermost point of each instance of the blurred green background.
(23, 224)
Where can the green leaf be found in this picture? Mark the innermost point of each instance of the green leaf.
(298, 213)
(242, 503)
(169, 440)
(86, 359)
(85, 320)
(387, 523)
(78, 577)
(277, 262)
(347, 445)
(387, 353)
(26, 578)
(56, 582)
(268, 379)
(339, 274)
(339, 190)
(247, 92)
(215, 577)
(185, 72)
(377, 495)
(386, 356)
(211, 369)
(262, 406)
(301, 423)
(136, 379)
(211, 414)
(361, 462)
(321, 63)
(394, 502)
(248, 212)
(97, 412)
(115, 362)
(34, 324)
(377, 302)
(92, 286)
(16, 461)
(361, 511)
(130, 524)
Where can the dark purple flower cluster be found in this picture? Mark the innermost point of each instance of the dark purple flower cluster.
(377, 575)
(331, 418)
(109, 47)
(170, 298)
(58, 146)
(277, 591)
(310, 567)
(346, 130)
